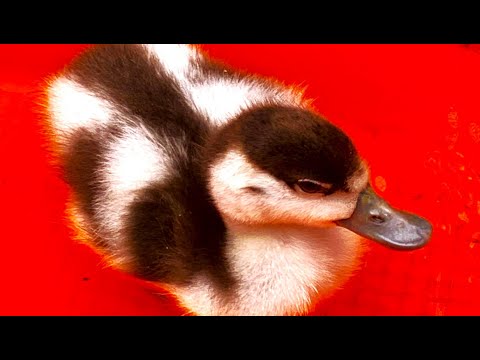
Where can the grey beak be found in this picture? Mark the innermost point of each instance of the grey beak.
(375, 219)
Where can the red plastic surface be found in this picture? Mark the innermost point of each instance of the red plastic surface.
(412, 111)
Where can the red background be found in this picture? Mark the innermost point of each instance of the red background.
(411, 110)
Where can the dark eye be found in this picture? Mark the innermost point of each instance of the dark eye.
(312, 186)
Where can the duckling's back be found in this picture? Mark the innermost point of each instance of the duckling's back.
(128, 143)
(129, 123)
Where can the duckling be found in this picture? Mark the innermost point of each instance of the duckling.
(225, 188)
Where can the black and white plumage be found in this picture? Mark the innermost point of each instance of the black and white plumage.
(221, 186)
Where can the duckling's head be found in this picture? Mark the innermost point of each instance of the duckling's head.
(289, 166)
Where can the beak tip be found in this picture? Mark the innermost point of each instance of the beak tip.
(424, 234)
(425, 231)
(398, 229)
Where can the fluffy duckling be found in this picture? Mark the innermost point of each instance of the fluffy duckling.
(225, 188)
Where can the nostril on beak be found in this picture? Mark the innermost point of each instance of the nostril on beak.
(377, 219)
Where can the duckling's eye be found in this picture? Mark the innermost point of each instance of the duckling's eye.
(312, 186)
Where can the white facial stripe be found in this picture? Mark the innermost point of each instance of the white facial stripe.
(234, 172)
(72, 106)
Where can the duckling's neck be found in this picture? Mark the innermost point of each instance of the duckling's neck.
(278, 270)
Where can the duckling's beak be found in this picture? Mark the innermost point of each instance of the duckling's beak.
(375, 219)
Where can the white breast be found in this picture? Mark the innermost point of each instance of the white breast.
(280, 270)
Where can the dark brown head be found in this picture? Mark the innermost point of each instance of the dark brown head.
(277, 164)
